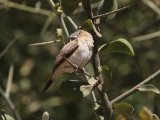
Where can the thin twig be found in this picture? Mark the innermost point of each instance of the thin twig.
(112, 12)
(7, 98)
(9, 81)
(146, 37)
(60, 17)
(25, 8)
(152, 6)
(52, 4)
(44, 43)
(64, 25)
(135, 88)
(46, 24)
(72, 22)
(8, 47)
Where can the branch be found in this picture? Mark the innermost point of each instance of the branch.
(25, 8)
(46, 24)
(106, 105)
(135, 88)
(112, 12)
(107, 108)
(72, 22)
(152, 6)
(60, 17)
(63, 25)
(44, 43)
(8, 47)
(9, 81)
(8, 100)
(146, 37)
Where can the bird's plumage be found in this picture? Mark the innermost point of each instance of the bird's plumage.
(66, 51)
(78, 51)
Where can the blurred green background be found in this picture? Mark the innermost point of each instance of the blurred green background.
(33, 64)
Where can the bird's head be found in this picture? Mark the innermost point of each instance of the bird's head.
(81, 33)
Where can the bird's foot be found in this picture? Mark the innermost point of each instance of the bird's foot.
(76, 67)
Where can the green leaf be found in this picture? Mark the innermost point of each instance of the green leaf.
(70, 89)
(121, 46)
(69, 6)
(123, 110)
(107, 74)
(149, 88)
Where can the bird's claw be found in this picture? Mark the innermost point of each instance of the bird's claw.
(76, 67)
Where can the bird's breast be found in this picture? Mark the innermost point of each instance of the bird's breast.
(81, 56)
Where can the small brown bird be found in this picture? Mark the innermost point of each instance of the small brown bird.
(78, 52)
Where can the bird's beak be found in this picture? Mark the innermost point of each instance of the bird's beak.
(73, 36)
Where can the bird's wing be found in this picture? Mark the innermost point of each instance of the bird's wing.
(66, 52)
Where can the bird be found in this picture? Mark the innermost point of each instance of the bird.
(75, 54)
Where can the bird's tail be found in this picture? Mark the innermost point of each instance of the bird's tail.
(47, 85)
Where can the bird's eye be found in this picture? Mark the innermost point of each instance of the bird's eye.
(78, 33)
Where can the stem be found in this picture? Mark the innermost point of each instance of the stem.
(135, 88)
(25, 8)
